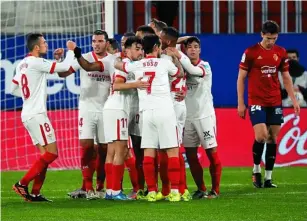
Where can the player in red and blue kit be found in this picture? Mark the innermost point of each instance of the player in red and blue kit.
(261, 63)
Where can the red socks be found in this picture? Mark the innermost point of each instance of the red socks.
(163, 158)
(108, 169)
(40, 165)
(38, 182)
(117, 176)
(174, 172)
(87, 166)
(133, 173)
(196, 171)
(215, 171)
(183, 175)
(150, 173)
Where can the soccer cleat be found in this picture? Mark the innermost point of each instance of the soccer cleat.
(120, 196)
(211, 195)
(132, 195)
(108, 197)
(22, 191)
(199, 194)
(186, 196)
(78, 193)
(174, 197)
(256, 177)
(269, 184)
(160, 196)
(39, 198)
(91, 195)
(140, 195)
(101, 194)
(152, 196)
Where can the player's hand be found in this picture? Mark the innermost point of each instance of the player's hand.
(58, 53)
(296, 108)
(296, 89)
(70, 45)
(242, 110)
(142, 84)
(179, 96)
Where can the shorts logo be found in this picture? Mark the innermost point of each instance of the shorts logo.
(123, 133)
(278, 110)
(207, 135)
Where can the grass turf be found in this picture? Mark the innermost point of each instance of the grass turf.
(238, 201)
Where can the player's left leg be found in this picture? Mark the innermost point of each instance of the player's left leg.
(206, 129)
(131, 165)
(274, 120)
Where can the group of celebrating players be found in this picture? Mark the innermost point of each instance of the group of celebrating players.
(139, 106)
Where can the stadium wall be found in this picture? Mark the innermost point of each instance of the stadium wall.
(223, 52)
(235, 139)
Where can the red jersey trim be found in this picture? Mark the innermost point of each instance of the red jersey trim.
(177, 73)
(52, 68)
(204, 71)
(15, 82)
(122, 77)
(94, 56)
(243, 67)
(124, 67)
(151, 56)
(72, 70)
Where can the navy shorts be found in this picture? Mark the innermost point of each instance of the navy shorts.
(267, 115)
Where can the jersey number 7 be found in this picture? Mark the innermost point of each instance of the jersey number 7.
(151, 76)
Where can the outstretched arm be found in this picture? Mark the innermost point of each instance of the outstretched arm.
(95, 66)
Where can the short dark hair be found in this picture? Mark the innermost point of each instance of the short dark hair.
(114, 44)
(171, 32)
(129, 34)
(145, 29)
(101, 32)
(131, 40)
(149, 42)
(294, 51)
(159, 24)
(270, 27)
(190, 40)
(33, 39)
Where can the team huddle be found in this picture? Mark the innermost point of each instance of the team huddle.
(136, 108)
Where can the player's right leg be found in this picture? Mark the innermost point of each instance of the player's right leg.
(258, 119)
(191, 142)
(42, 134)
(87, 132)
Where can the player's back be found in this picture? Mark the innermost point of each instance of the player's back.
(33, 84)
(263, 66)
(156, 72)
(95, 85)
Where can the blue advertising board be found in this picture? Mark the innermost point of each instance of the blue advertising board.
(223, 52)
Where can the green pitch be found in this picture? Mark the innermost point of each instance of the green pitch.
(238, 201)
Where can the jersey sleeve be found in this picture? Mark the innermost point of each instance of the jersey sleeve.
(132, 66)
(190, 68)
(75, 66)
(173, 71)
(246, 60)
(15, 88)
(284, 64)
(44, 65)
(120, 74)
(207, 68)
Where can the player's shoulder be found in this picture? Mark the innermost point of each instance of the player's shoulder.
(166, 57)
(252, 48)
(279, 48)
(203, 63)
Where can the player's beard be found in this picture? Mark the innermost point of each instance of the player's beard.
(101, 51)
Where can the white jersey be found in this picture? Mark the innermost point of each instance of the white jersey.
(95, 85)
(156, 71)
(199, 99)
(31, 79)
(121, 100)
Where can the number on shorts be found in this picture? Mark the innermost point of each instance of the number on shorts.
(47, 127)
(151, 77)
(124, 122)
(137, 118)
(24, 86)
(81, 122)
(255, 107)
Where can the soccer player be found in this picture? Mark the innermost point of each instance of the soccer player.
(95, 88)
(169, 37)
(143, 31)
(116, 114)
(261, 63)
(200, 126)
(159, 128)
(30, 82)
(157, 25)
(113, 47)
(124, 38)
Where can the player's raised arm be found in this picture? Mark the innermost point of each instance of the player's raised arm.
(95, 66)
(288, 83)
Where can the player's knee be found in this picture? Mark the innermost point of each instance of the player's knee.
(86, 144)
(272, 138)
(261, 137)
